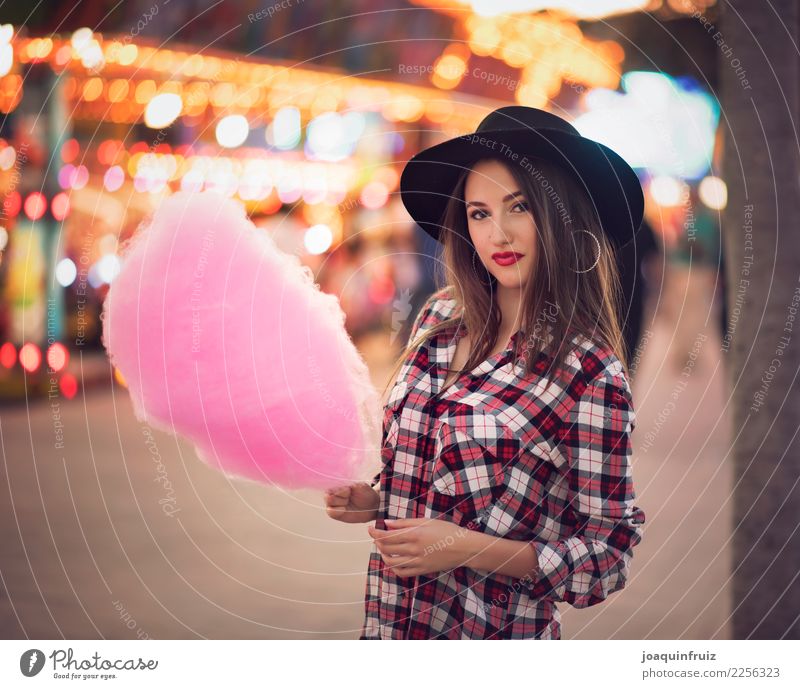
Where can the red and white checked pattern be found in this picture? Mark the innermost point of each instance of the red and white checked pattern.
(498, 454)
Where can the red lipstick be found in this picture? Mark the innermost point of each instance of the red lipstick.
(506, 258)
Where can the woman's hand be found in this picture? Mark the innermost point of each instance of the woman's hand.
(352, 504)
(410, 547)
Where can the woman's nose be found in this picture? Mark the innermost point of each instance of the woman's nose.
(499, 235)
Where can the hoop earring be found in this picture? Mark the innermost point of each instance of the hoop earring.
(599, 250)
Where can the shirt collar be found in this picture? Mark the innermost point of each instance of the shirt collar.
(444, 347)
(441, 353)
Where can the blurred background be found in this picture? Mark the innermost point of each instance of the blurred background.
(306, 111)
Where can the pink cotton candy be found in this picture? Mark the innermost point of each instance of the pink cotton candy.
(227, 341)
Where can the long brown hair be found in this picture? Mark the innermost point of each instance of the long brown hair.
(573, 291)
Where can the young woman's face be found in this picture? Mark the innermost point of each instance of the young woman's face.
(500, 223)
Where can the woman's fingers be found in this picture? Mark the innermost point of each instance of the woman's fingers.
(337, 497)
(335, 512)
(394, 549)
(400, 561)
(336, 501)
(342, 491)
(392, 538)
(410, 571)
(348, 503)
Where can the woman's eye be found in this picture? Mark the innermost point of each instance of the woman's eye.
(520, 204)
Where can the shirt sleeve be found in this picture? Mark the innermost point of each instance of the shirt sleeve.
(430, 313)
(426, 317)
(594, 562)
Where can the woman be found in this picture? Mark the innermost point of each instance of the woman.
(506, 482)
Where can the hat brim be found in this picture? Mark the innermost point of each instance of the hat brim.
(428, 179)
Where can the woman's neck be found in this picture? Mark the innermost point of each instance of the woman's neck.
(509, 301)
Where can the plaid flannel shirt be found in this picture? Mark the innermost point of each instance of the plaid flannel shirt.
(497, 453)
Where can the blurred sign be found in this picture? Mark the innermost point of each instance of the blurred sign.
(658, 122)
(25, 288)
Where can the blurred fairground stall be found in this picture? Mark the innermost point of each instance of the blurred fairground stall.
(97, 128)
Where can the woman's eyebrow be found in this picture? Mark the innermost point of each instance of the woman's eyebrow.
(507, 197)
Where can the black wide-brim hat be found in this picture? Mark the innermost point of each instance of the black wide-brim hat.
(429, 177)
